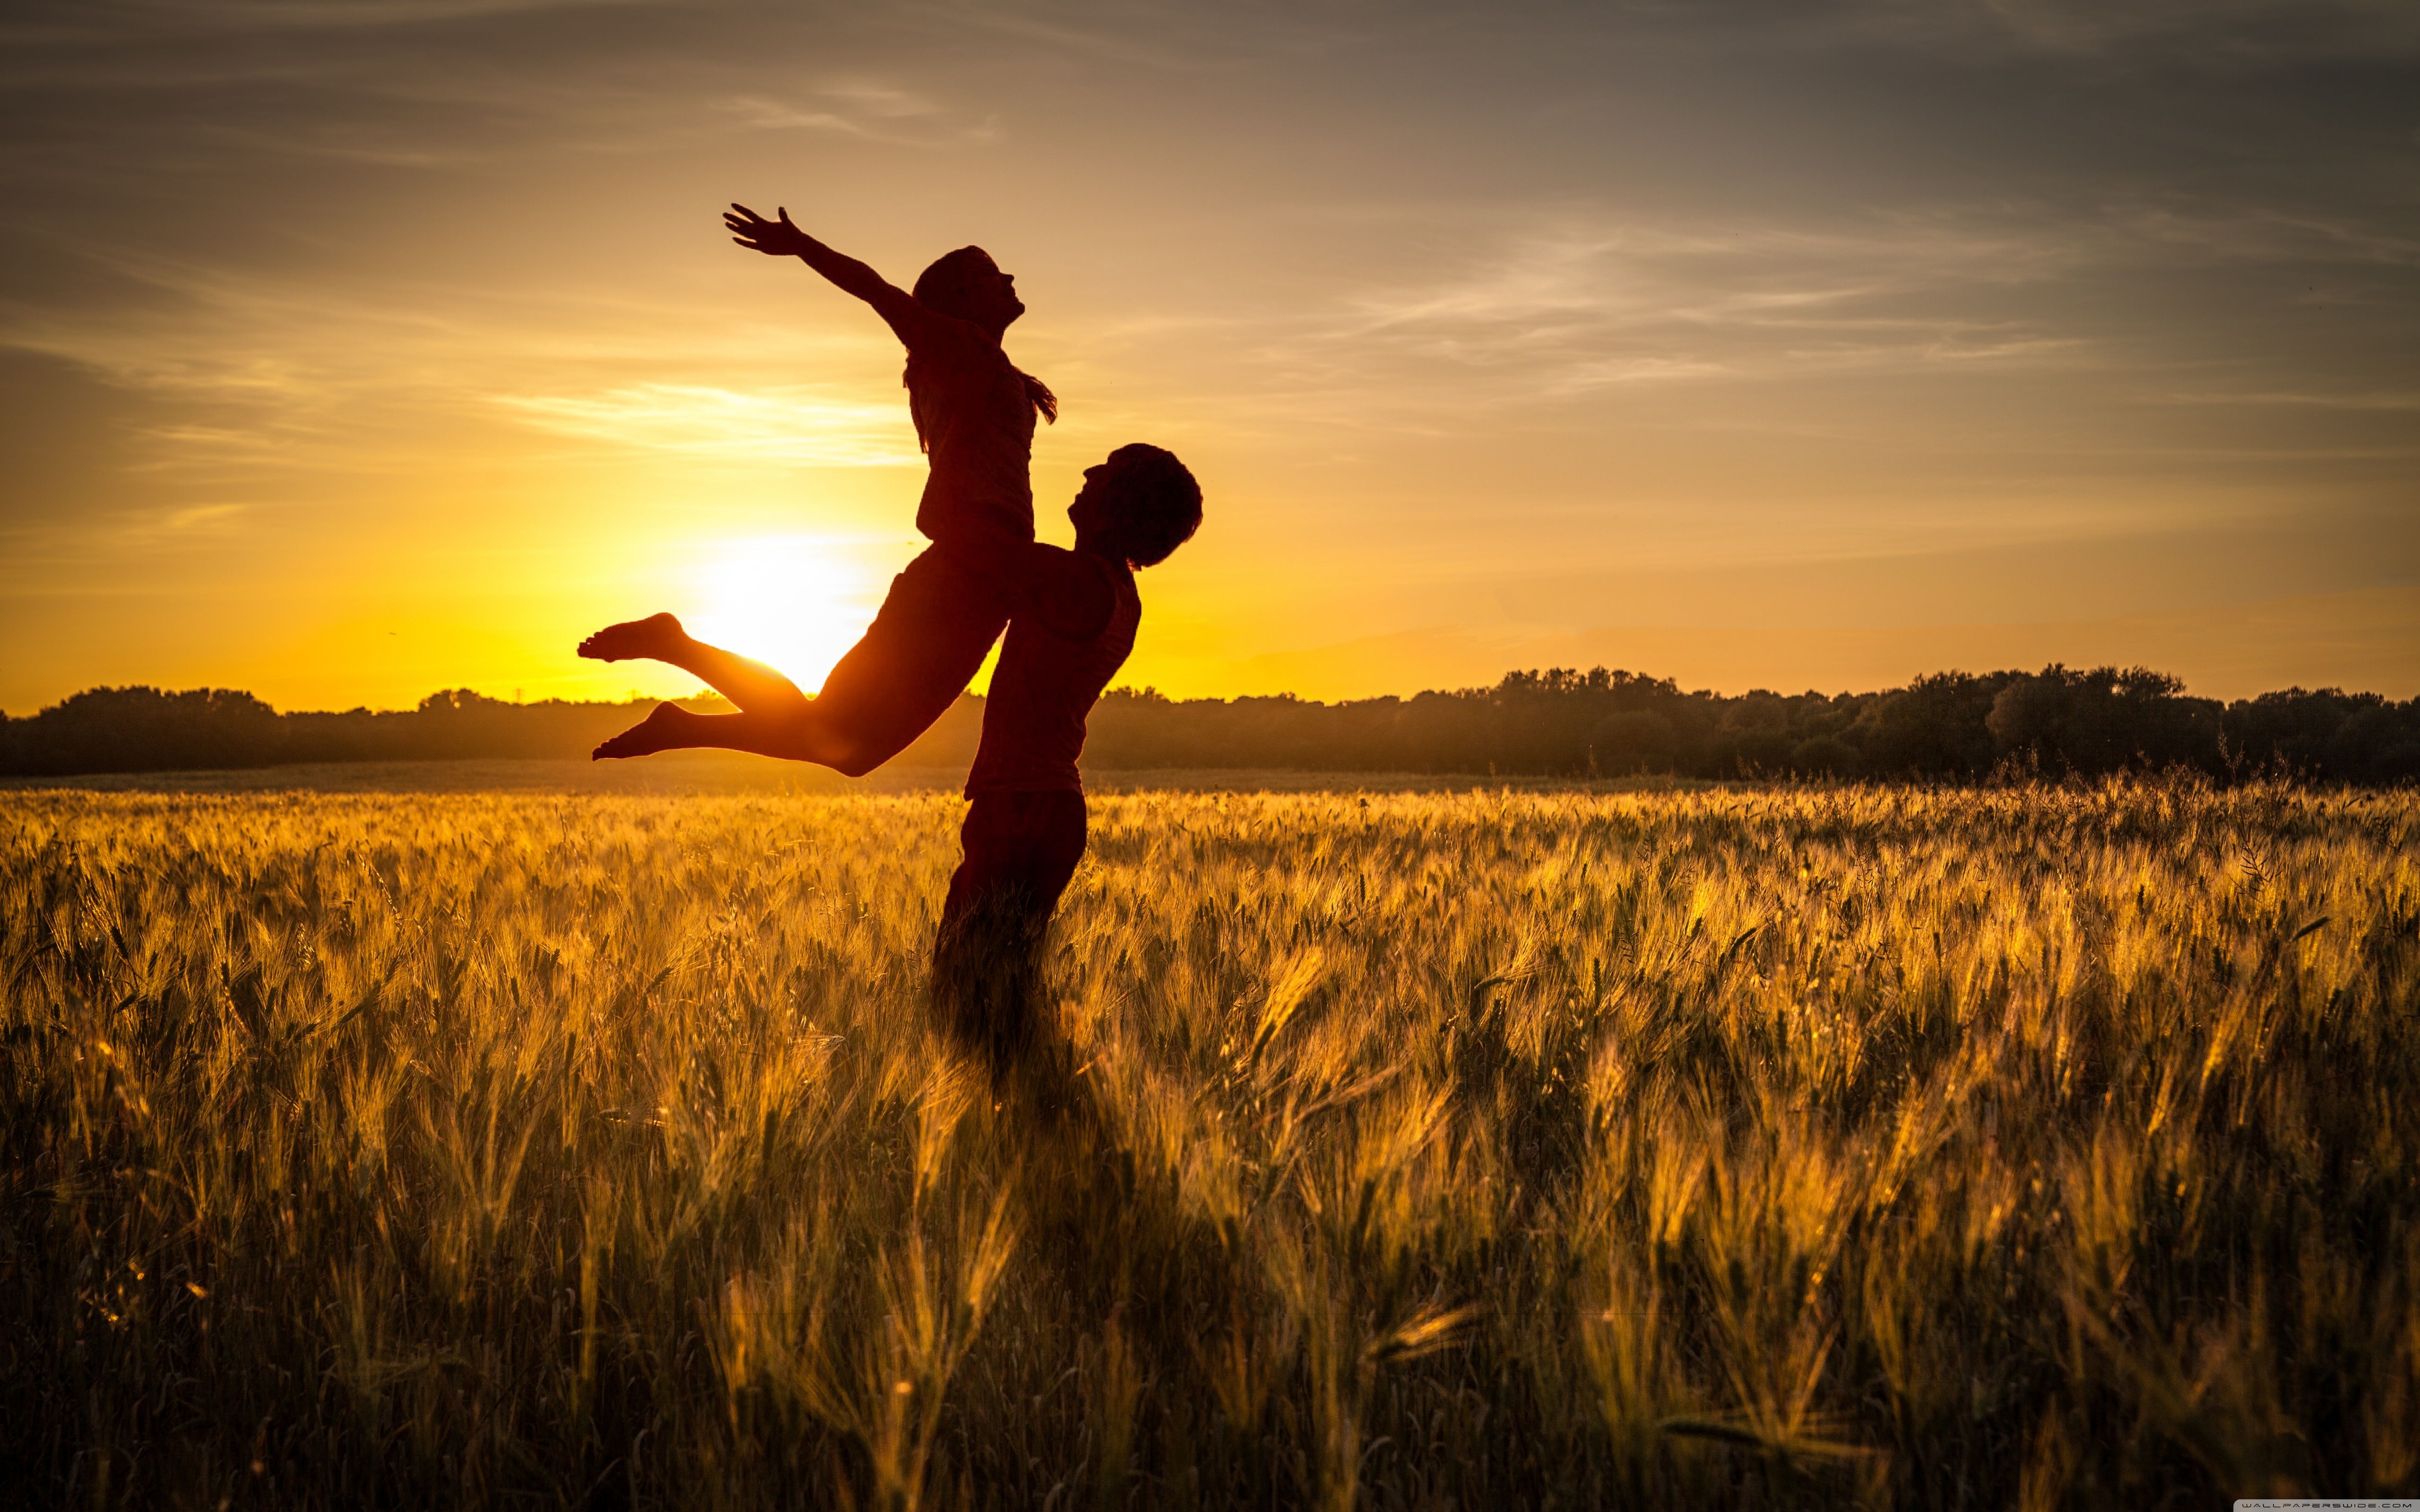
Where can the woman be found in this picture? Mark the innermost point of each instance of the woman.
(974, 414)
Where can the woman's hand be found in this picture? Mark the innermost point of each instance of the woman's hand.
(774, 239)
(779, 238)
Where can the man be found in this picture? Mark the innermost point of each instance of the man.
(1072, 622)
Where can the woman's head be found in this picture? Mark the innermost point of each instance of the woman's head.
(967, 286)
(1139, 505)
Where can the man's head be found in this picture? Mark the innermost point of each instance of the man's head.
(969, 287)
(1138, 506)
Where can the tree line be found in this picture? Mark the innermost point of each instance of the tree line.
(1560, 722)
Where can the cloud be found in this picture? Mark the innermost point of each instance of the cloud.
(789, 424)
(2210, 33)
(766, 114)
(869, 112)
(1565, 299)
(1574, 304)
(253, 370)
(2367, 401)
(2209, 36)
(120, 21)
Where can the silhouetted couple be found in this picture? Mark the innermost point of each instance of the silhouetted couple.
(1070, 617)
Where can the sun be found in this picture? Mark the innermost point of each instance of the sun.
(797, 602)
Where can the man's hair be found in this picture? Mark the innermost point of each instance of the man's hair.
(1155, 505)
(946, 286)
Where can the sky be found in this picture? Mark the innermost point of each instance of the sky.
(353, 350)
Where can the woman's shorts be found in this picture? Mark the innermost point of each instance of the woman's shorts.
(914, 660)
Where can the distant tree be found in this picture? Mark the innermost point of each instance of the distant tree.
(2330, 734)
(1555, 721)
(2101, 720)
(1633, 740)
(2378, 742)
(1825, 756)
(1937, 726)
(145, 730)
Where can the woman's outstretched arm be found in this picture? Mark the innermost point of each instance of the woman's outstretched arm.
(782, 239)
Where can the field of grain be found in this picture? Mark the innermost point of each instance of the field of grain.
(1800, 1147)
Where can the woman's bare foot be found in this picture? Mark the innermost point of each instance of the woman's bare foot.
(664, 729)
(647, 640)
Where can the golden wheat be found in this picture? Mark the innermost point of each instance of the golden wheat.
(2044, 1146)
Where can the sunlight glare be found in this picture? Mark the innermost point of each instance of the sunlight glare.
(797, 602)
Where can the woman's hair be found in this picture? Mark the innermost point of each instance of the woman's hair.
(949, 286)
(1154, 504)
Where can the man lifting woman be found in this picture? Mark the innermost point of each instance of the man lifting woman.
(1070, 617)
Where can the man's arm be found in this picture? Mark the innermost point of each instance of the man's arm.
(909, 319)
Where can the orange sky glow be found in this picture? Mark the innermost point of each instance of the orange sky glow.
(352, 352)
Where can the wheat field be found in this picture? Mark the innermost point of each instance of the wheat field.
(2024, 1147)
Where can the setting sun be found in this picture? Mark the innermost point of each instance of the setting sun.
(797, 602)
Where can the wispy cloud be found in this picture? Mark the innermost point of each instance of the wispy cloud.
(124, 20)
(267, 373)
(2225, 35)
(1566, 307)
(1562, 301)
(794, 425)
(870, 112)
(2367, 401)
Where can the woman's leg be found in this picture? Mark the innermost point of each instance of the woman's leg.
(912, 664)
(802, 736)
(752, 686)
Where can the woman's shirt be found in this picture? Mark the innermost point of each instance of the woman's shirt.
(976, 417)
